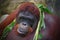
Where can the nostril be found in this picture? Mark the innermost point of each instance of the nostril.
(24, 24)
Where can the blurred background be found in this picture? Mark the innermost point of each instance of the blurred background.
(7, 6)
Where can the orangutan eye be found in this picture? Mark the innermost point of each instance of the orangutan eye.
(30, 21)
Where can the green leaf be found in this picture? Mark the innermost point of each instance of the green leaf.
(43, 8)
(41, 22)
(40, 36)
(7, 30)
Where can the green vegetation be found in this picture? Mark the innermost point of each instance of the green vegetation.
(7, 30)
(41, 22)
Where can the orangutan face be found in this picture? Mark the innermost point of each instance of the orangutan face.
(26, 21)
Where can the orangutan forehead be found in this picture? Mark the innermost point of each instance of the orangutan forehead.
(26, 14)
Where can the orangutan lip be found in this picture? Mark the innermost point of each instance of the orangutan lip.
(21, 31)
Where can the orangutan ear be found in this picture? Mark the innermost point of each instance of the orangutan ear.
(30, 30)
(16, 27)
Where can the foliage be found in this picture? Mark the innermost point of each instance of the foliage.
(41, 22)
(7, 30)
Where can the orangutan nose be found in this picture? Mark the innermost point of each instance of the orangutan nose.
(24, 24)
